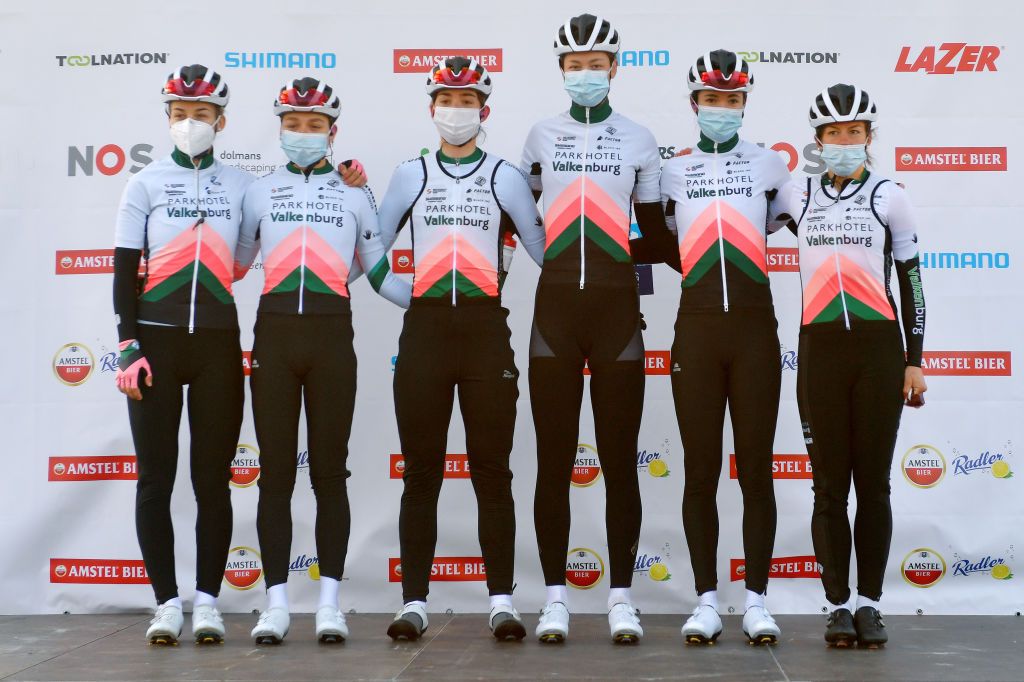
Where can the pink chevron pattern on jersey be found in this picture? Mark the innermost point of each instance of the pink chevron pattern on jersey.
(321, 260)
(180, 252)
(823, 287)
(736, 229)
(469, 263)
(598, 207)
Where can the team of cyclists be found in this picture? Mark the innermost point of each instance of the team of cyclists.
(188, 227)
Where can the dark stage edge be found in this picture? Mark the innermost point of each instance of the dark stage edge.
(932, 648)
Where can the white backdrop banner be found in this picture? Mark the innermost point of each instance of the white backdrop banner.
(82, 114)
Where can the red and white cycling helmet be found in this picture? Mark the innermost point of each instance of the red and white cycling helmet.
(459, 73)
(195, 83)
(720, 70)
(308, 95)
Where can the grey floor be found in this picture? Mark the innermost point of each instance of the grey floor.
(932, 648)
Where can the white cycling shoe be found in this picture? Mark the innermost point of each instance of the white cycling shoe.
(703, 627)
(553, 627)
(207, 625)
(272, 626)
(760, 627)
(330, 625)
(165, 627)
(624, 622)
(409, 623)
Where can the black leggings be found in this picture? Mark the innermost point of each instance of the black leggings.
(443, 347)
(296, 359)
(599, 326)
(848, 389)
(718, 358)
(210, 363)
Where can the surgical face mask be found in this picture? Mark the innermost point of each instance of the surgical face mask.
(844, 159)
(304, 149)
(719, 124)
(457, 125)
(587, 88)
(193, 137)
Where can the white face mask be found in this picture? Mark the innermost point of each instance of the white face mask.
(193, 137)
(457, 125)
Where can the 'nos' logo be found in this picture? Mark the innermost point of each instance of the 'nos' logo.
(587, 468)
(923, 567)
(245, 467)
(73, 364)
(110, 159)
(923, 466)
(244, 568)
(583, 568)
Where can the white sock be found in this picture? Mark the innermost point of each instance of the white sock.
(710, 598)
(277, 596)
(176, 601)
(558, 593)
(203, 599)
(618, 595)
(501, 600)
(329, 592)
(754, 599)
(421, 604)
(864, 601)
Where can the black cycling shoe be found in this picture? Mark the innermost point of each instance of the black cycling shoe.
(840, 631)
(407, 626)
(870, 628)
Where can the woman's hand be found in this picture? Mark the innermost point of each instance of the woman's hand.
(132, 370)
(914, 386)
(352, 173)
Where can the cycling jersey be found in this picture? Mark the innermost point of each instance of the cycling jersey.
(848, 239)
(189, 248)
(459, 210)
(310, 228)
(590, 163)
(716, 200)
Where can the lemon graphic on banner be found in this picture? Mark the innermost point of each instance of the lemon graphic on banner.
(1001, 469)
(659, 572)
(658, 468)
(1001, 572)
(314, 571)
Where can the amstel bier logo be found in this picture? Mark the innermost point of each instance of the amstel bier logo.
(584, 568)
(587, 468)
(923, 567)
(245, 467)
(923, 466)
(73, 364)
(244, 568)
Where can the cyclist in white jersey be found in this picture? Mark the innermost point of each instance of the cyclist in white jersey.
(854, 375)
(460, 204)
(594, 167)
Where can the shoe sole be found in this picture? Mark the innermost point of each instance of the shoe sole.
(626, 638)
(163, 640)
(209, 638)
(842, 642)
(870, 645)
(509, 630)
(762, 640)
(270, 639)
(331, 637)
(551, 638)
(700, 640)
(403, 629)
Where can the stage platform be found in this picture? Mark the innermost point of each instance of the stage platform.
(113, 647)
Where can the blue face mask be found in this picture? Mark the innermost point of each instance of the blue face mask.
(304, 149)
(587, 88)
(844, 159)
(719, 124)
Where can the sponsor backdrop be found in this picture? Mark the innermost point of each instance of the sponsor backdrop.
(83, 115)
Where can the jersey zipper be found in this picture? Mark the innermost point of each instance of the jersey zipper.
(455, 239)
(839, 270)
(583, 191)
(302, 253)
(199, 244)
(718, 220)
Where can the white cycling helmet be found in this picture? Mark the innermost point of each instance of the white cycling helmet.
(308, 95)
(586, 33)
(841, 103)
(721, 70)
(195, 83)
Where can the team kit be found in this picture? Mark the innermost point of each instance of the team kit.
(189, 226)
